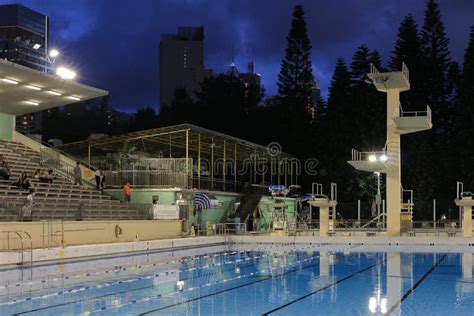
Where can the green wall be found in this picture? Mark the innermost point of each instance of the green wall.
(214, 215)
(7, 126)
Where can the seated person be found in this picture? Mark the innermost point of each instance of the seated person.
(37, 174)
(21, 180)
(47, 177)
(4, 171)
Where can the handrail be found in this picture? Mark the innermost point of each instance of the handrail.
(459, 189)
(373, 220)
(64, 158)
(405, 71)
(18, 233)
(365, 155)
(426, 113)
(373, 69)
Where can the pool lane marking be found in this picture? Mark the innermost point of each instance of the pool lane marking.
(323, 288)
(73, 290)
(408, 293)
(146, 277)
(120, 292)
(242, 285)
(118, 269)
(218, 282)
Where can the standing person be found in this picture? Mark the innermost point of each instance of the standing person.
(127, 193)
(27, 209)
(77, 174)
(97, 178)
(102, 180)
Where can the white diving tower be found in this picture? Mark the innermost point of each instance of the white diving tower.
(387, 160)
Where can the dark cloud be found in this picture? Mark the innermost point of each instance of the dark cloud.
(114, 43)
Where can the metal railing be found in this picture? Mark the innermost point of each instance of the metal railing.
(426, 113)
(160, 173)
(373, 69)
(405, 72)
(366, 155)
(20, 234)
(221, 229)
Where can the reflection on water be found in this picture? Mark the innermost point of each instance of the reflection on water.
(289, 279)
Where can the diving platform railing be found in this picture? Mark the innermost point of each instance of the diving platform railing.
(371, 161)
(412, 121)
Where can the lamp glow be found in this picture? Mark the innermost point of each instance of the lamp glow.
(372, 158)
(74, 98)
(65, 73)
(29, 86)
(54, 92)
(9, 81)
(36, 46)
(383, 158)
(31, 102)
(53, 53)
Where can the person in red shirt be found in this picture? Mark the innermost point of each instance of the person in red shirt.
(127, 193)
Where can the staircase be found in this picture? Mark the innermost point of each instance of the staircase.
(53, 201)
(248, 204)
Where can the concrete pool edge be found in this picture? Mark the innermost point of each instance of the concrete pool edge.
(101, 250)
(114, 249)
(366, 240)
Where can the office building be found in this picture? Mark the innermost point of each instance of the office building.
(181, 63)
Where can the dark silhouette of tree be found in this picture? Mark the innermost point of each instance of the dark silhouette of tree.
(144, 118)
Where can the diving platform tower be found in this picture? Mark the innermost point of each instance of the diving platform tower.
(387, 160)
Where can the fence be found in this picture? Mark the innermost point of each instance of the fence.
(158, 173)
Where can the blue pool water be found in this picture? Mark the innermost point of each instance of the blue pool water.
(250, 280)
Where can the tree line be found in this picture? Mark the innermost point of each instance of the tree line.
(353, 116)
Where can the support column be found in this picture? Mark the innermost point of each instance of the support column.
(467, 265)
(467, 221)
(393, 165)
(199, 161)
(323, 221)
(7, 126)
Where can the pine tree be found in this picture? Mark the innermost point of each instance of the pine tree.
(465, 115)
(296, 81)
(369, 122)
(408, 50)
(295, 89)
(436, 62)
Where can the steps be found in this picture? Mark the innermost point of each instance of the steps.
(58, 200)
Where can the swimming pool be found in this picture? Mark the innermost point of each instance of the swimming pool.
(267, 279)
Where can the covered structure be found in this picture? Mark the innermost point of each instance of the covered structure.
(209, 160)
(25, 90)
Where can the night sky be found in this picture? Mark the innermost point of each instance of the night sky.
(114, 44)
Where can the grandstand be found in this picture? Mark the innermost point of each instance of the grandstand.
(58, 200)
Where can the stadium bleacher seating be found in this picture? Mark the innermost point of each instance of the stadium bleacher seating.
(53, 201)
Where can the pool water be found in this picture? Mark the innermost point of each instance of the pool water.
(271, 279)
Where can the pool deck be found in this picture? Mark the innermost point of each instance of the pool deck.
(113, 249)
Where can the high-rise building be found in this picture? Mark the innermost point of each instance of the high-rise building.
(24, 39)
(181, 63)
(24, 36)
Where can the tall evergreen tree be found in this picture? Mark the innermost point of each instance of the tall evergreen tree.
(465, 115)
(369, 121)
(408, 50)
(296, 81)
(295, 86)
(436, 63)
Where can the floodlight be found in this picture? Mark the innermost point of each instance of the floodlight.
(36, 46)
(53, 53)
(383, 157)
(65, 73)
(372, 158)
